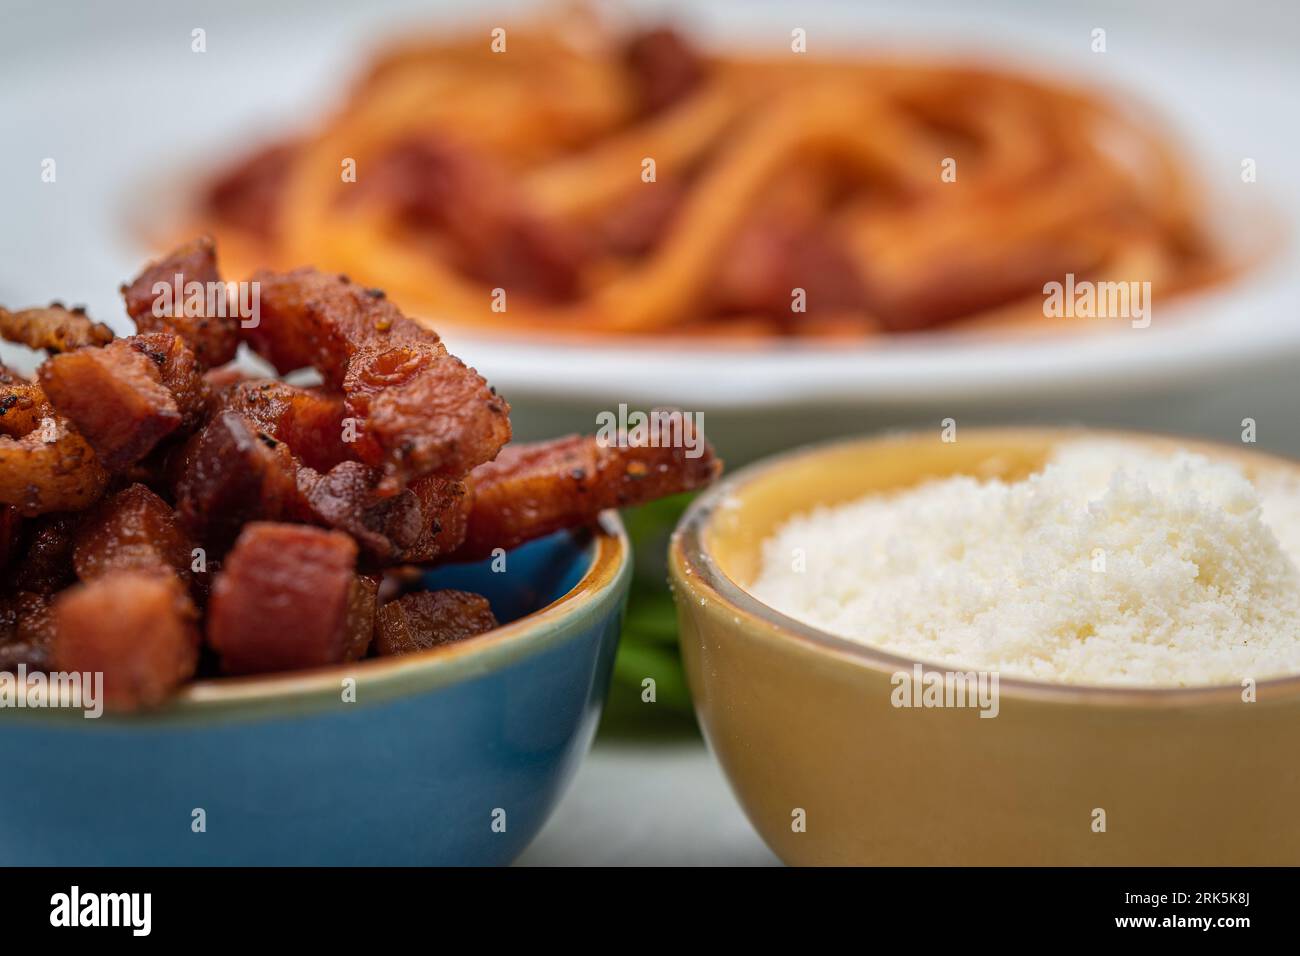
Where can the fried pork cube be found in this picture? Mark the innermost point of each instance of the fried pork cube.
(445, 509)
(288, 597)
(535, 489)
(50, 468)
(26, 630)
(22, 404)
(363, 606)
(225, 377)
(313, 319)
(53, 328)
(419, 409)
(421, 412)
(344, 499)
(425, 619)
(136, 627)
(420, 522)
(233, 473)
(127, 396)
(308, 420)
(179, 372)
(210, 333)
(46, 562)
(11, 535)
(45, 463)
(133, 530)
(115, 398)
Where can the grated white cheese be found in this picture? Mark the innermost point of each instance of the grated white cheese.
(1113, 565)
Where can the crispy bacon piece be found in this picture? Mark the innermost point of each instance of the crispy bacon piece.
(232, 474)
(128, 395)
(316, 320)
(134, 530)
(45, 464)
(51, 468)
(535, 489)
(419, 409)
(11, 530)
(424, 619)
(46, 563)
(165, 467)
(115, 398)
(239, 456)
(308, 420)
(223, 377)
(22, 404)
(180, 373)
(344, 498)
(363, 606)
(136, 627)
(211, 333)
(288, 596)
(445, 508)
(422, 412)
(53, 328)
(419, 523)
(26, 629)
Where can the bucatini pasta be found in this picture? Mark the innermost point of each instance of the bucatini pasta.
(563, 176)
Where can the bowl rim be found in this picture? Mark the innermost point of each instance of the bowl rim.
(301, 692)
(609, 554)
(692, 567)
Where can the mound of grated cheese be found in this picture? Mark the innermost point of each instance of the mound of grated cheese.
(1113, 565)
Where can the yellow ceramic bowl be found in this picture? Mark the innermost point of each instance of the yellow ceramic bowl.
(829, 772)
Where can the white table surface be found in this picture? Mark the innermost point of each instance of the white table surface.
(649, 804)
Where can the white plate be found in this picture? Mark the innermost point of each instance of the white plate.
(116, 96)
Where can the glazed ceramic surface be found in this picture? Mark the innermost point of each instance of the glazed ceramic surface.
(451, 756)
(830, 772)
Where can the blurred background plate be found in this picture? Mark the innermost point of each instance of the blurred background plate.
(126, 109)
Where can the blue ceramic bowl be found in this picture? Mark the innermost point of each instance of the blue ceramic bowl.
(451, 756)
